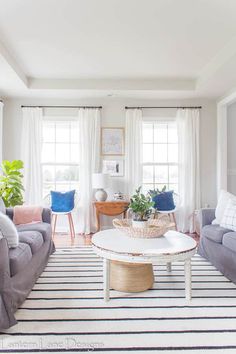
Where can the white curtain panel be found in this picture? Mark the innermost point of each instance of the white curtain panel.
(1, 133)
(89, 140)
(189, 168)
(133, 148)
(31, 146)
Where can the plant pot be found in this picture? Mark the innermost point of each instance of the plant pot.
(139, 224)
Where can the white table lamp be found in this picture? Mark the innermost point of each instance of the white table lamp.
(100, 181)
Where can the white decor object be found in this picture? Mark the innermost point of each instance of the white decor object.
(113, 245)
(112, 141)
(1, 133)
(133, 143)
(89, 152)
(222, 203)
(139, 224)
(115, 168)
(31, 146)
(9, 231)
(100, 181)
(228, 220)
(189, 167)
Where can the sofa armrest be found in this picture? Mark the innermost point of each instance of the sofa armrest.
(206, 216)
(4, 261)
(46, 214)
(9, 212)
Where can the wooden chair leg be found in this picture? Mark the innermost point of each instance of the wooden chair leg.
(72, 224)
(54, 225)
(174, 219)
(71, 234)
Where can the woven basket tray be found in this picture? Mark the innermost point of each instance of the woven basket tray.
(155, 228)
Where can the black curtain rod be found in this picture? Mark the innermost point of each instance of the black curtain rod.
(190, 107)
(61, 107)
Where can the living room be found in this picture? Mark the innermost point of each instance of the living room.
(97, 100)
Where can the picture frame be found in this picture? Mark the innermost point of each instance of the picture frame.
(112, 141)
(115, 168)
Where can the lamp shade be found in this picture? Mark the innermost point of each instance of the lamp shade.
(100, 180)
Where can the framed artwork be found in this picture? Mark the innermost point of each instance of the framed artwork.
(115, 168)
(112, 141)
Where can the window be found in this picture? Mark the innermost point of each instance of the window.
(60, 155)
(160, 155)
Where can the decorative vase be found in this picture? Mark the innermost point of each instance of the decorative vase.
(101, 195)
(139, 224)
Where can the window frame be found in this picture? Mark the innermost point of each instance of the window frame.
(167, 121)
(54, 164)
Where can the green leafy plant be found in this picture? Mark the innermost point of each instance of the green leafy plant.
(154, 192)
(11, 186)
(141, 205)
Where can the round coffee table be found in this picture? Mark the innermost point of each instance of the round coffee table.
(127, 261)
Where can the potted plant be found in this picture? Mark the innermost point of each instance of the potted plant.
(11, 187)
(141, 207)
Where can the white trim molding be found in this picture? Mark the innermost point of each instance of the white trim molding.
(222, 165)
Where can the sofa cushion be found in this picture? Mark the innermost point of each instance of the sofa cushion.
(229, 240)
(32, 238)
(19, 258)
(42, 227)
(214, 232)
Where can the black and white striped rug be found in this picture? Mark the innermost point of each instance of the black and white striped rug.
(65, 311)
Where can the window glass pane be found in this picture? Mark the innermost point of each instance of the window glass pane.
(48, 132)
(148, 133)
(160, 133)
(147, 153)
(62, 132)
(47, 188)
(63, 187)
(146, 187)
(74, 153)
(48, 152)
(74, 186)
(173, 174)
(161, 174)
(48, 173)
(160, 153)
(172, 133)
(62, 153)
(173, 187)
(67, 173)
(148, 174)
(173, 152)
(160, 186)
(74, 132)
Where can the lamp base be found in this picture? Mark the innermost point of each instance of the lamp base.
(101, 195)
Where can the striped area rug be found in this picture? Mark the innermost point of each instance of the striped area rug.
(65, 311)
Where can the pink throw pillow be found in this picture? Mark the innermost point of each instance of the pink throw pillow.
(27, 214)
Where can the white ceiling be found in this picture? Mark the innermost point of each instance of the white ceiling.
(130, 46)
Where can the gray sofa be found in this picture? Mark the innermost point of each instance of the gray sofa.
(217, 244)
(20, 267)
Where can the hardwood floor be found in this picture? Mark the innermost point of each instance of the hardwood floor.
(64, 240)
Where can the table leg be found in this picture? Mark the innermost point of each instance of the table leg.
(106, 279)
(188, 279)
(98, 220)
(168, 267)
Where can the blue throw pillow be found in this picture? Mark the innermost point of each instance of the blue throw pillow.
(164, 201)
(62, 202)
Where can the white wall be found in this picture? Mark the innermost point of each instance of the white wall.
(113, 115)
(231, 148)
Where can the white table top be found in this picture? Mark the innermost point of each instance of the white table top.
(172, 243)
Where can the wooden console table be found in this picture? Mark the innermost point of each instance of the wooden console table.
(110, 208)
